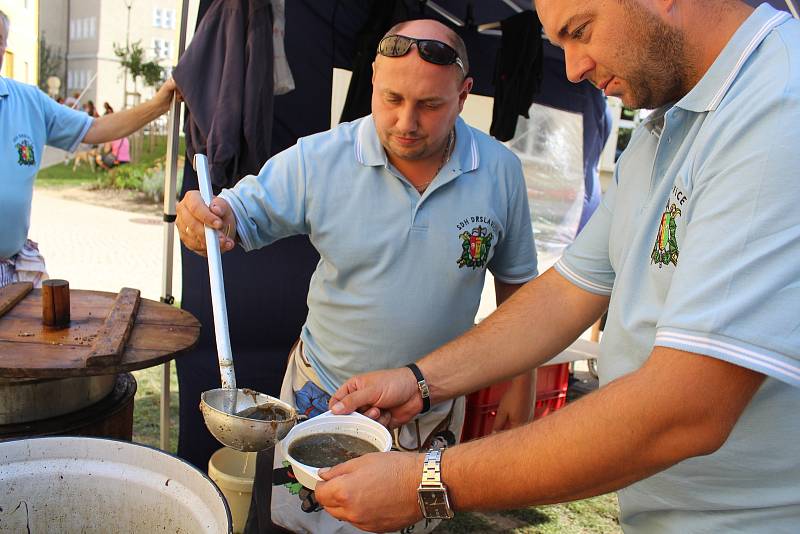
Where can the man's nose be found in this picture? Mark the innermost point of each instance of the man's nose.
(407, 118)
(578, 64)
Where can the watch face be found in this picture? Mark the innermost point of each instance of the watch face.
(435, 504)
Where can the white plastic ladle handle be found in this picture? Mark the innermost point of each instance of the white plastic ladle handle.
(218, 305)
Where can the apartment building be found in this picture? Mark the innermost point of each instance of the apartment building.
(21, 60)
(86, 31)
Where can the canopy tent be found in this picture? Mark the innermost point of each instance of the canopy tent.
(266, 289)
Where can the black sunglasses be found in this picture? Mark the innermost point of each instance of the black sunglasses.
(430, 50)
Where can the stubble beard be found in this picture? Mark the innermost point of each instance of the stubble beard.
(660, 73)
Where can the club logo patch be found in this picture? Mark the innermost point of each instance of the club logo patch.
(475, 246)
(25, 153)
(665, 249)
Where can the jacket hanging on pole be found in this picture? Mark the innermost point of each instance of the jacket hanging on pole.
(226, 79)
(518, 73)
(383, 15)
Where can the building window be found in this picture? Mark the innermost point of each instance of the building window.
(169, 18)
(162, 48)
(82, 28)
(157, 17)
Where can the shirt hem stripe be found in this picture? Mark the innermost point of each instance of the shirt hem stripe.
(581, 281)
(729, 352)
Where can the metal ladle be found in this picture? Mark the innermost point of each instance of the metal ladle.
(220, 406)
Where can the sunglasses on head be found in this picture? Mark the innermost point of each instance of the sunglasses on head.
(430, 50)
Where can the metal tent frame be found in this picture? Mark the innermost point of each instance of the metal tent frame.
(170, 197)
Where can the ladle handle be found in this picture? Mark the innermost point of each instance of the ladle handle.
(217, 284)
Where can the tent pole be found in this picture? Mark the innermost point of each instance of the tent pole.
(170, 181)
(793, 8)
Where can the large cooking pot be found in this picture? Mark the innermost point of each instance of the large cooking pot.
(23, 400)
(91, 485)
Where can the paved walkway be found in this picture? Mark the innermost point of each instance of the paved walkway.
(100, 248)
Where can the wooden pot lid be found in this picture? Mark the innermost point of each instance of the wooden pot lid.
(107, 333)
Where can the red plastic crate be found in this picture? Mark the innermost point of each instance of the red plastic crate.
(551, 394)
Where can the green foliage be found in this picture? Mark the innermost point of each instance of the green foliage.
(147, 175)
(628, 113)
(50, 59)
(147, 407)
(132, 60)
(123, 177)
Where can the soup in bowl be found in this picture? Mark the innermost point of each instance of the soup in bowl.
(328, 440)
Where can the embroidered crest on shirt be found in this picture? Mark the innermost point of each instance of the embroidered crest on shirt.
(25, 153)
(665, 249)
(475, 246)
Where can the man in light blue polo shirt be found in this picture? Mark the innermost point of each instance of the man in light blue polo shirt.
(29, 119)
(695, 253)
(408, 208)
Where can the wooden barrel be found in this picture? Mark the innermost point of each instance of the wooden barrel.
(111, 417)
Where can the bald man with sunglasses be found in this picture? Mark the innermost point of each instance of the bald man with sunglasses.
(408, 208)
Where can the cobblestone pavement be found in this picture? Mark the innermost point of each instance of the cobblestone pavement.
(100, 248)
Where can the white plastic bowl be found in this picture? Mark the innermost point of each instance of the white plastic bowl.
(354, 424)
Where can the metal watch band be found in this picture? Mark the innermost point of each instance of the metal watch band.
(423, 387)
(432, 469)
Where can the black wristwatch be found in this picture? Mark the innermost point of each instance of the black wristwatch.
(432, 493)
(423, 387)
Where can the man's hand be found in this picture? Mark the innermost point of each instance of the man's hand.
(163, 97)
(193, 215)
(391, 396)
(376, 492)
(516, 406)
(123, 123)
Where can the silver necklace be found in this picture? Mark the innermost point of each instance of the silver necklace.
(448, 151)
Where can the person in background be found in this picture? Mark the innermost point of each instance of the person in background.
(694, 253)
(108, 109)
(29, 119)
(115, 153)
(90, 109)
(72, 100)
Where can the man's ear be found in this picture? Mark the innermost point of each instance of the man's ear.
(374, 69)
(466, 87)
(663, 9)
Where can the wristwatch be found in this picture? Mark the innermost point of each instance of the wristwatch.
(432, 493)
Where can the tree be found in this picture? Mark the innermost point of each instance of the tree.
(50, 59)
(132, 60)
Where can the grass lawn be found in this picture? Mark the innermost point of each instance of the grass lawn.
(597, 515)
(60, 175)
(147, 407)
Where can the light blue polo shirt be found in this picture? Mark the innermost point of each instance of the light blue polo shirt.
(399, 274)
(29, 119)
(698, 243)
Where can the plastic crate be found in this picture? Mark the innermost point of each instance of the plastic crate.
(551, 394)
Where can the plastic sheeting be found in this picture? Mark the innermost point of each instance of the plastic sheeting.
(550, 146)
